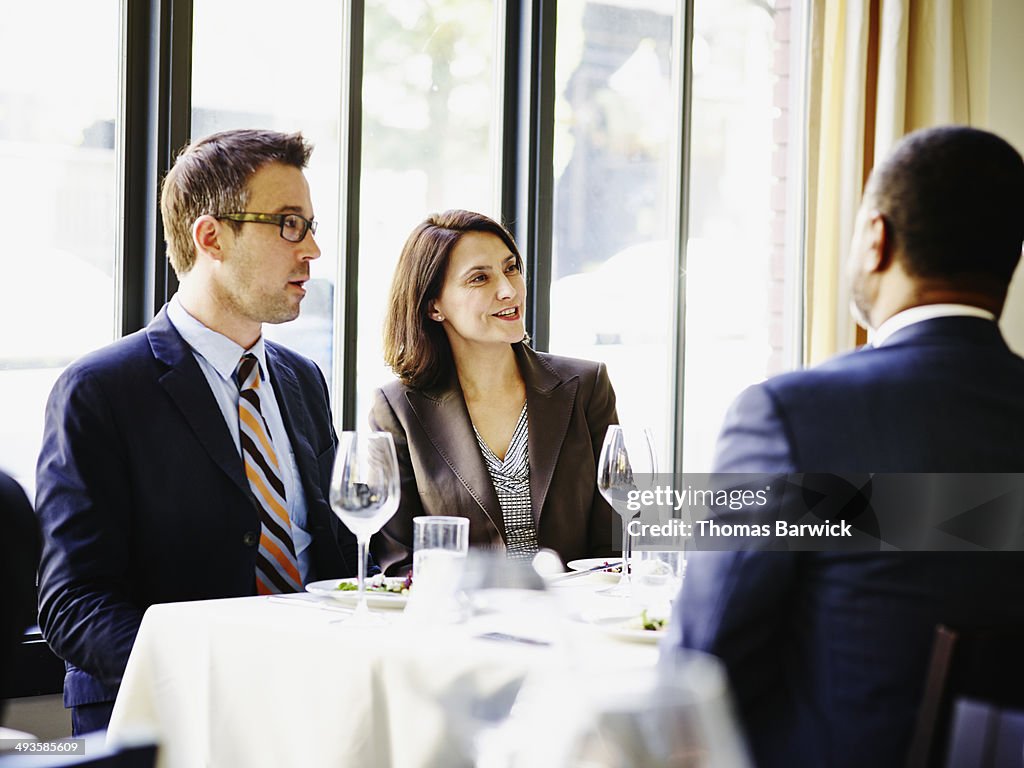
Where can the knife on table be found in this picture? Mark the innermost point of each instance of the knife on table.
(605, 567)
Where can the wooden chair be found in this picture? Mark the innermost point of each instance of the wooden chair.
(973, 701)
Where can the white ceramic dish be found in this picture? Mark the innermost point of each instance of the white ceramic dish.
(625, 628)
(329, 588)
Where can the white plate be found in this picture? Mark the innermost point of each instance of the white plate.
(329, 588)
(592, 562)
(619, 628)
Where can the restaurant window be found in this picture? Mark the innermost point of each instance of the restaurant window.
(612, 266)
(431, 121)
(743, 263)
(617, 270)
(58, 270)
(246, 74)
(429, 142)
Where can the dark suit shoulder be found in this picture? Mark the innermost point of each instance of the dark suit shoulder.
(113, 360)
(899, 408)
(896, 367)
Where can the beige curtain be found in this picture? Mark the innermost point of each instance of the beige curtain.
(878, 70)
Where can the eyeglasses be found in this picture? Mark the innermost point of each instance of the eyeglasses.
(293, 226)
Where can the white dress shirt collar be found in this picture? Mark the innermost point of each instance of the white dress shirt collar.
(908, 317)
(216, 348)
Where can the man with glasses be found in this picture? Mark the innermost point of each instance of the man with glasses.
(191, 460)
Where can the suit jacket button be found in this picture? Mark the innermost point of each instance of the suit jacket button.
(251, 538)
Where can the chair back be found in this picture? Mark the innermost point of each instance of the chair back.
(973, 693)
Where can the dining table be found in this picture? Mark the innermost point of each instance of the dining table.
(294, 680)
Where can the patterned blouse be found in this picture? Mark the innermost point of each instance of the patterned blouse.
(511, 479)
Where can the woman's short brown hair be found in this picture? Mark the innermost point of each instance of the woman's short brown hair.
(415, 346)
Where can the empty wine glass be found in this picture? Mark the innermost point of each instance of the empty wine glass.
(365, 491)
(627, 458)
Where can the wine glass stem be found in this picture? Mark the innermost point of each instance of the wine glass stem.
(364, 544)
(627, 551)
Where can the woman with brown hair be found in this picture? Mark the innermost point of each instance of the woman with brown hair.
(486, 427)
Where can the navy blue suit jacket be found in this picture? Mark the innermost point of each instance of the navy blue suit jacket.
(827, 652)
(142, 496)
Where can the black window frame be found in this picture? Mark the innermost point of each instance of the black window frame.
(155, 123)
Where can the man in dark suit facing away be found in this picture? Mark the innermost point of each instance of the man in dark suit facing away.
(192, 459)
(827, 651)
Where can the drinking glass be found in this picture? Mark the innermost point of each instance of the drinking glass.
(612, 711)
(439, 548)
(657, 576)
(438, 539)
(365, 491)
(627, 458)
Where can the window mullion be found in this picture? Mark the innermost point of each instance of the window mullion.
(156, 73)
(683, 72)
(346, 307)
(528, 155)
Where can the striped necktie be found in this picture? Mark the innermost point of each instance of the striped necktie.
(277, 567)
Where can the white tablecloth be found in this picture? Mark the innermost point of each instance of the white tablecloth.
(266, 682)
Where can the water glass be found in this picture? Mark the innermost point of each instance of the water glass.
(657, 577)
(439, 548)
(678, 714)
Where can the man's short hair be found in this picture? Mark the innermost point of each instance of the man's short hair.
(211, 176)
(953, 202)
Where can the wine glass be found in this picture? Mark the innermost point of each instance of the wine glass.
(365, 491)
(627, 455)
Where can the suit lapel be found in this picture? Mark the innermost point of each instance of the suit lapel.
(296, 419)
(549, 404)
(298, 425)
(445, 419)
(188, 389)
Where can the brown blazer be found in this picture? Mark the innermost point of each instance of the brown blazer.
(570, 404)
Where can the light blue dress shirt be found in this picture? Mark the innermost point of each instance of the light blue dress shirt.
(218, 358)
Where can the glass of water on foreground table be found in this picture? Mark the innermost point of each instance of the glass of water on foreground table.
(439, 549)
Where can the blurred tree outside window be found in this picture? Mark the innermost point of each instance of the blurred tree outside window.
(430, 128)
